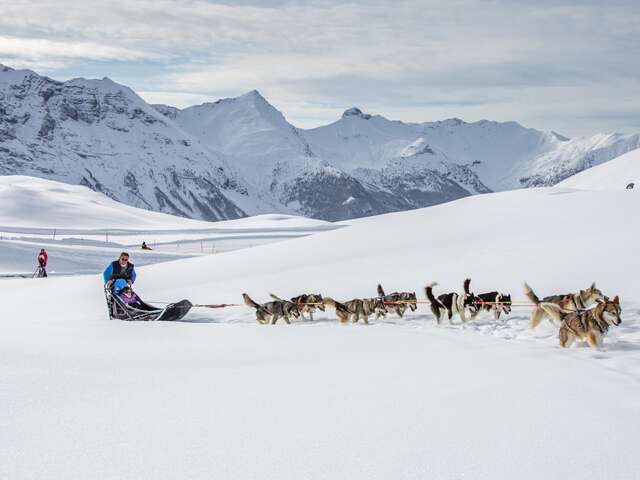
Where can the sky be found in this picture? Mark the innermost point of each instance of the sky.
(568, 66)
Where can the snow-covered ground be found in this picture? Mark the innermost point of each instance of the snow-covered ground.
(613, 175)
(219, 396)
(82, 230)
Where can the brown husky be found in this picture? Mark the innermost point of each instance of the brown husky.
(342, 312)
(567, 302)
(307, 303)
(590, 325)
(272, 311)
(363, 307)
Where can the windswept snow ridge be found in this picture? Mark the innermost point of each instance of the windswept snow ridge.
(239, 156)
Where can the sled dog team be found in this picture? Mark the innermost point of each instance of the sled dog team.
(575, 313)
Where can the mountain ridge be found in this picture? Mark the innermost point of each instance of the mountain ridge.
(240, 156)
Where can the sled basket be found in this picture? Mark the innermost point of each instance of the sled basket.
(118, 310)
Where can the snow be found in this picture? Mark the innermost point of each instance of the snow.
(36, 202)
(615, 174)
(83, 230)
(219, 396)
(39, 203)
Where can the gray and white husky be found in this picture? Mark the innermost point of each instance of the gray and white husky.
(398, 301)
(271, 312)
(363, 307)
(307, 303)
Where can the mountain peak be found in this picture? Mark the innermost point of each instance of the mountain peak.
(355, 112)
(252, 95)
(561, 138)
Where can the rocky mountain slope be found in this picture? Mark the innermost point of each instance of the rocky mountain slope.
(102, 135)
(240, 156)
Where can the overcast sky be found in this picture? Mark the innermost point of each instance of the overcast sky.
(569, 66)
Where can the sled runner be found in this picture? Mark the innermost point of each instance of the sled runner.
(142, 311)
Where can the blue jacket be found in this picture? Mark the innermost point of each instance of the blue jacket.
(114, 271)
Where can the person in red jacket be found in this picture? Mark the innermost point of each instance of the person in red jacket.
(43, 258)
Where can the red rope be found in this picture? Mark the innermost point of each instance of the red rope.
(218, 305)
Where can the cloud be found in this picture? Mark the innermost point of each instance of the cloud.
(34, 50)
(530, 61)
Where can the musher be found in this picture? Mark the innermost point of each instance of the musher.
(121, 273)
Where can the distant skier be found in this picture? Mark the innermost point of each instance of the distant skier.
(121, 273)
(42, 258)
(145, 246)
(630, 186)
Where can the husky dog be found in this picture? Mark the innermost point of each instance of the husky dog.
(306, 303)
(590, 325)
(404, 299)
(450, 303)
(494, 302)
(342, 311)
(568, 301)
(273, 310)
(363, 307)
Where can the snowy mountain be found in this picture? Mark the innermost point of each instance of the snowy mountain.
(478, 156)
(614, 175)
(102, 135)
(276, 160)
(240, 156)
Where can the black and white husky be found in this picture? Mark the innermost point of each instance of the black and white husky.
(449, 303)
(495, 302)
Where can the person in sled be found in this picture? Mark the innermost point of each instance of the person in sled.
(122, 270)
(42, 258)
(128, 296)
(145, 246)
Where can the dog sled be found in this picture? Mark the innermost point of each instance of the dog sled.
(118, 310)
